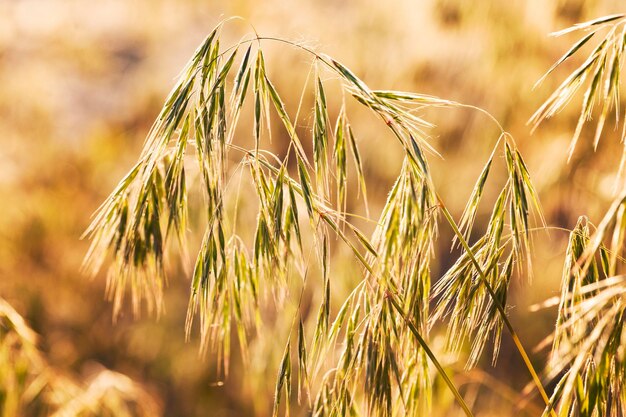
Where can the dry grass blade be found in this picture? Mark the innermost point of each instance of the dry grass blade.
(565, 56)
(283, 381)
(321, 138)
(591, 23)
(339, 152)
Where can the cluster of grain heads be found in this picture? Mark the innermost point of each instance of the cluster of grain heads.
(588, 346)
(472, 294)
(371, 354)
(599, 73)
(588, 350)
(30, 386)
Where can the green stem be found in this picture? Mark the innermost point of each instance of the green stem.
(394, 302)
(500, 308)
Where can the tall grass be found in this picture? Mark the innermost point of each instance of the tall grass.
(589, 345)
(30, 386)
(370, 353)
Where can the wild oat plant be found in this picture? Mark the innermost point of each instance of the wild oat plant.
(370, 353)
(589, 343)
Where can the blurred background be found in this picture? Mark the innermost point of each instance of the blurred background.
(81, 84)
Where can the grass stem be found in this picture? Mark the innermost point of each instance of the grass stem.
(394, 302)
(500, 307)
